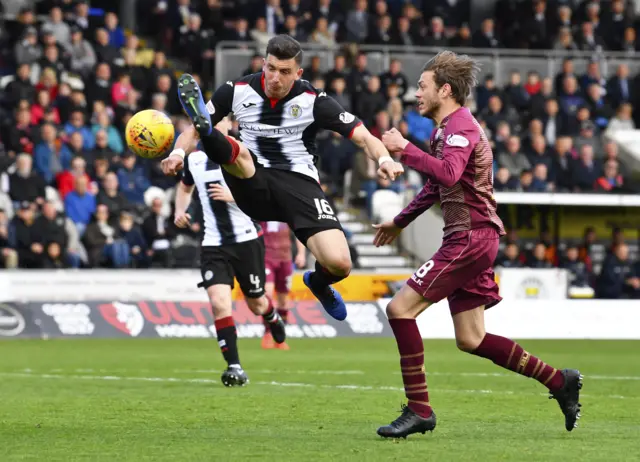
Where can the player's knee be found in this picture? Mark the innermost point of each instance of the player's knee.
(340, 265)
(395, 309)
(220, 306)
(468, 343)
(258, 305)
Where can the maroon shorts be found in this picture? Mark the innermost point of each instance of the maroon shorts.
(279, 273)
(461, 271)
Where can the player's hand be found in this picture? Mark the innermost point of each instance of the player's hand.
(217, 192)
(386, 233)
(394, 141)
(301, 260)
(172, 164)
(182, 220)
(390, 170)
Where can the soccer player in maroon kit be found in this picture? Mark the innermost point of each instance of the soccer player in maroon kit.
(460, 177)
(279, 270)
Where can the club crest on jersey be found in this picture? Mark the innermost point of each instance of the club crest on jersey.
(295, 111)
(346, 117)
(457, 140)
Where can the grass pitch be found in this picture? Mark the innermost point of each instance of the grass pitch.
(133, 400)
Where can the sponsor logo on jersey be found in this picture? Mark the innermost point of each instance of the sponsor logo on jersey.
(346, 117)
(457, 140)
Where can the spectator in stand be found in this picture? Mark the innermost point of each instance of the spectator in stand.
(484, 92)
(109, 195)
(8, 256)
(356, 25)
(21, 87)
(579, 275)
(81, 19)
(132, 179)
(358, 78)
(616, 279)
(105, 52)
(56, 25)
(539, 153)
(611, 153)
(339, 93)
(599, 109)
(538, 257)
(336, 154)
(571, 99)
(588, 40)
(620, 89)
(325, 9)
(588, 136)
(77, 123)
(164, 85)
(131, 233)
(76, 145)
(83, 57)
(513, 159)
(99, 89)
(586, 170)
(21, 136)
(395, 110)
(339, 71)
(67, 179)
(504, 181)
(27, 50)
(463, 38)
(50, 156)
(120, 89)
(371, 101)
(24, 184)
(43, 105)
(382, 124)
(381, 33)
(55, 240)
(27, 238)
(116, 34)
(322, 34)
(629, 43)
(436, 37)
(103, 242)
(564, 41)
(114, 141)
(80, 204)
(394, 76)
(563, 165)
(622, 121)
(158, 231)
(510, 257)
(485, 37)
(611, 180)
(293, 28)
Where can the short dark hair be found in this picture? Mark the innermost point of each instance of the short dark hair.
(285, 47)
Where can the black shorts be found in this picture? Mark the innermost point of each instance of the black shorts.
(285, 196)
(245, 261)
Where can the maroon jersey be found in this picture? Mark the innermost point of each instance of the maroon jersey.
(277, 241)
(460, 176)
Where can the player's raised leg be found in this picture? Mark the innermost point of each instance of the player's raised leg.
(220, 297)
(231, 154)
(564, 385)
(417, 416)
(333, 264)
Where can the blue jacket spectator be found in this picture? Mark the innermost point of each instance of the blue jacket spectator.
(77, 124)
(137, 244)
(419, 127)
(80, 205)
(114, 138)
(116, 34)
(132, 179)
(50, 156)
(616, 275)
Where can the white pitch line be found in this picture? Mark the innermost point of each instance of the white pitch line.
(272, 371)
(283, 384)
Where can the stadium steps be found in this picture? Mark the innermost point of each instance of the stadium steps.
(378, 259)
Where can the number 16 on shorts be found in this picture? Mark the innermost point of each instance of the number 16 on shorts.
(325, 212)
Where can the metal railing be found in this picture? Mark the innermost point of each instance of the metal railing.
(232, 58)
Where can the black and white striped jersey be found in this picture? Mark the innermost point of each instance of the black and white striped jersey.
(281, 133)
(224, 222)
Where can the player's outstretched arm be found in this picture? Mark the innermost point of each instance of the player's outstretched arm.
(183, 199)
(373, 147)
(427, 196)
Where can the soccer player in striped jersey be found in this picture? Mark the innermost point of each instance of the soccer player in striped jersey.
(271, 173)
(460, 173)
(230, 248)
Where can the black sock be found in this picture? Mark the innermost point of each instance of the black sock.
(228, 340)
(219, 148)
(270, 315)
(321, 278)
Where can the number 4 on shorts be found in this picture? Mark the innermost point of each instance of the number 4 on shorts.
(323, 207)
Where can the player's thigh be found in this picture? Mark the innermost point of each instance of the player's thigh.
(215, 267)
(406, 304)
(460, 258)
(303, 204)
(253, 195)
(330, 248)
(221, 302)
(249, 266)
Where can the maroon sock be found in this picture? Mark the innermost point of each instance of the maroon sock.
(284, 314)
(508, 354)
(411, 351)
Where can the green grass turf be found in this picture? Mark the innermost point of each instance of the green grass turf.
(98, 402)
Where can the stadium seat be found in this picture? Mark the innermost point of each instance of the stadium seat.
(386, 204)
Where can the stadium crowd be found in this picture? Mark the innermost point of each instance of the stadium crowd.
(72, 195)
